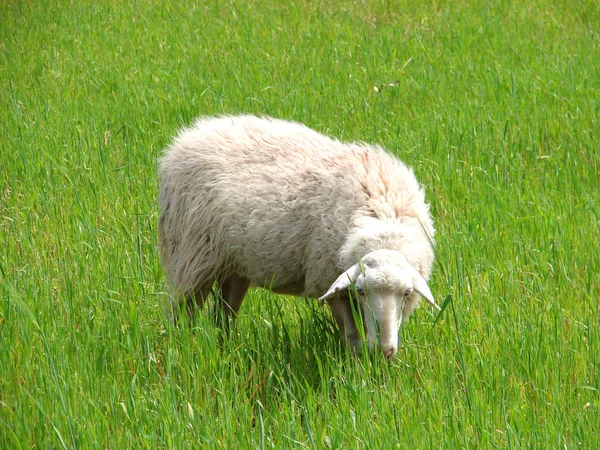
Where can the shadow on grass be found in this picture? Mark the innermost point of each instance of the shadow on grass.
(293, 349)
(280, 350)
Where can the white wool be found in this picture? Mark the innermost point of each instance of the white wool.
(283, 207)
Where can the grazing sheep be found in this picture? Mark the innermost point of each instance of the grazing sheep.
(249, 201)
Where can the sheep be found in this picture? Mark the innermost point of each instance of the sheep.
(260, 202)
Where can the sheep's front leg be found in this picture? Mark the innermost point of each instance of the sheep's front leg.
(342, 312)
(232, 291)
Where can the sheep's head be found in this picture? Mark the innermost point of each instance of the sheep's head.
(387, 287)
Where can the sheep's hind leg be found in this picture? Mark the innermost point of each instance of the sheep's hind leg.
(232, 291)
(193, 303)
(187, 305)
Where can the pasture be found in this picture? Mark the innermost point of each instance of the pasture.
(495, 104)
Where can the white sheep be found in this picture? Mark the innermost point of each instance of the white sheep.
(249, 201)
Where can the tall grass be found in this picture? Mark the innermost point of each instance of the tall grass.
(495, 105)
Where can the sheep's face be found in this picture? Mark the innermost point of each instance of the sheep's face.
(387, 287)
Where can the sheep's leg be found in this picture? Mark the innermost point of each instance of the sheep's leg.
(191, 302)
(232, 290)
(195, 302)
(342, 312)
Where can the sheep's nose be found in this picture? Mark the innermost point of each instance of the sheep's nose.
(390, 353)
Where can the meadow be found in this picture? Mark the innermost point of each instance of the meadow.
(495, 104)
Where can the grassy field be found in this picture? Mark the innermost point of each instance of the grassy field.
(495, 104)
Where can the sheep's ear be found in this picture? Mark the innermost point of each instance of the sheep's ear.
(343, 282)
(420, 286)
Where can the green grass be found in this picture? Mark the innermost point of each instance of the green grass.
(495, 104)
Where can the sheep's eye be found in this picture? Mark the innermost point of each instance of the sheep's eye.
(408, 292)
(359, 291)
